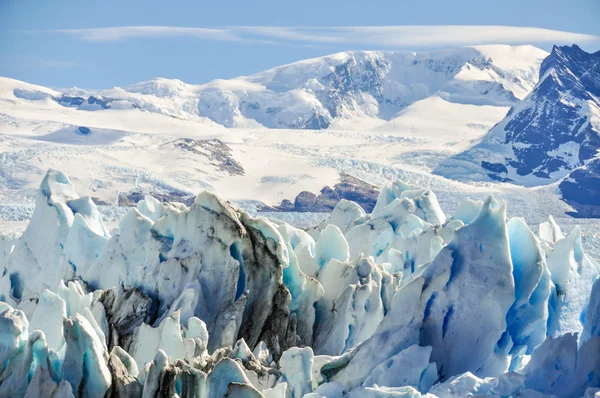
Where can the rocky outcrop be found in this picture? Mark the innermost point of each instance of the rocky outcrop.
(217, 152)
(131, 199)
(349, 188)
(552, 134)
(581, 190)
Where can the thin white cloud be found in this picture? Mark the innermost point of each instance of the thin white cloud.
(365, 36)
(420, 36)
(138, 32)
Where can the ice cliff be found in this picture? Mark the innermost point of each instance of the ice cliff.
(207, 301)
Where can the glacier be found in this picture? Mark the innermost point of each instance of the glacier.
(208, 301)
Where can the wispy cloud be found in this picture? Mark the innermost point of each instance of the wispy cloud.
(138, 32)
(426, 36)
(365, 36)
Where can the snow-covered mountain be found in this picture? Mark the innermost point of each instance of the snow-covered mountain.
(207, 301)
(581, 189)
(387, 114)
(337, 90)
(551, 132)
(430, 295)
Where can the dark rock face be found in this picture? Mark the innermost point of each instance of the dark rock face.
(75, 102)
(351, 79)
(548, 135)
(126, 309)
(66, 100)
(584, 67)
(549, 131)
(130, 199)
(100, 202)
(215, 150)
(349, 188)
(305, 201)
(84, 130)
(123, 384)
(556, 114)
(494, 167)
(581, 190)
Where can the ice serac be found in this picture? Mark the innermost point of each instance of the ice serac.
(48, 316)
(557, 367)
(352, 305)
(331, 245)
(33, 264)
(305, 291)
(207, 301)
(573, 274)
(411, 367)
(208, 260)
(403, 229)
(470, 288)
(591, 326)
(225, 373)
(168, 338)
(550, 231)
(117, 262)
(296, 364)
(423, 201)
(399, 330)
(344, 214)
(528, 316)
(84, 365)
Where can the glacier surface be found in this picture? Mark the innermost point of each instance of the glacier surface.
(207, 301)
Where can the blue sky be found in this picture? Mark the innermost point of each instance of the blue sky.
(106, 43)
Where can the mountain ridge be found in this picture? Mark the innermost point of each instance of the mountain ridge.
(549, 133)
(317, 93)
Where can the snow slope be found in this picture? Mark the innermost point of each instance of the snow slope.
(432, 109)
(425, 101)
(336, 90)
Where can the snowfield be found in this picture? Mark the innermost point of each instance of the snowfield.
(376, 106)
(139, 148)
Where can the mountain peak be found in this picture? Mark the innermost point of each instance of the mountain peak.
(573, 48)
(571, 62)
(370, 86)
(551, 132)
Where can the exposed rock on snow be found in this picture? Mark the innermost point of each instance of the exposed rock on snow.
(206, 301)
(581, 189)
(215, 150)
(332, 90)
(349, 188)
(552, 134)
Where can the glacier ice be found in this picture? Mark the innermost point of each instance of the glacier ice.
(528, 315)
(573, 274)
(207, 301)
